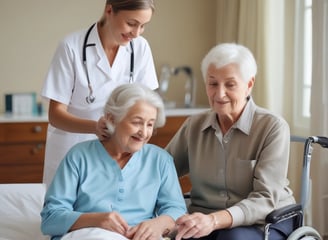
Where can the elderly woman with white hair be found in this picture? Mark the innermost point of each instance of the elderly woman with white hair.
(121, 187)
(236, 155)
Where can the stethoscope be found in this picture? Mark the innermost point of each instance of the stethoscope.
(91, 98)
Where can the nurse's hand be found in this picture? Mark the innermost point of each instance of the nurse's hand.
(101, 129)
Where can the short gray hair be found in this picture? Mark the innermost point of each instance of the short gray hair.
(226, 53)
(125, 96)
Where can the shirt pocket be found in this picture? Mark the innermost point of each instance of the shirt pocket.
(242, 176)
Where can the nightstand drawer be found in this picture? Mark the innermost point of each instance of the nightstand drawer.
(22, 149)
(21, 163)
(23, 132)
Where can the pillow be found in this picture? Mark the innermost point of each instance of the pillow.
(20, 209)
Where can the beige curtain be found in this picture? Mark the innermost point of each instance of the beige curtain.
(319, 111)
(252, 24)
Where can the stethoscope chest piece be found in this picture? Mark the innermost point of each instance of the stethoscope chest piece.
(90, 98)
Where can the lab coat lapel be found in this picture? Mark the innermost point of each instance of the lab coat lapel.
(122, 58)
(103, 63)
(99, 58)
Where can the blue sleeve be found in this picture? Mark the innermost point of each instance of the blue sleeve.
(170, 197)
(57, 215)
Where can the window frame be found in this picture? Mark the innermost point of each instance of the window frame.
(302, 59)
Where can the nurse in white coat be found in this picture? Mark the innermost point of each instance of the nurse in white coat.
(77, 92)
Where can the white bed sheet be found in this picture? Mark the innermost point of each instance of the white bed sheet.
(95, 234)
(20, 206)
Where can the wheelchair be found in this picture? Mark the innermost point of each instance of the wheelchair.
(296, 211)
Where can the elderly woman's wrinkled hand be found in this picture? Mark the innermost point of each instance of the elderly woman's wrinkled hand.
(149, 230)
(194, 225)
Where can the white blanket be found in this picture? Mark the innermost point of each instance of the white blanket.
(93, 234)
(20, 206)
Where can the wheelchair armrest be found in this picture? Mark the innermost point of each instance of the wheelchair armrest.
(186, 195)
(283, 213)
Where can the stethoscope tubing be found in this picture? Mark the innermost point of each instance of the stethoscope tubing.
(91, 98)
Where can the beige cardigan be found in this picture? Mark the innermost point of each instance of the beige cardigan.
(244, 171)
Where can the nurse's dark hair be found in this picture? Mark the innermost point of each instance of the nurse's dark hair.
(126, 96)
(118, 5)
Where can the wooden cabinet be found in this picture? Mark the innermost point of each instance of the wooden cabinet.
(22, 148)
(164, 135)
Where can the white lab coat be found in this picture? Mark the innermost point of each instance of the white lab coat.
(66, 82)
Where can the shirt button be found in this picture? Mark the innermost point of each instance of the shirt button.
(121, 190)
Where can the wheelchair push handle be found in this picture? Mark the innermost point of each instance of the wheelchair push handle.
(323, 141)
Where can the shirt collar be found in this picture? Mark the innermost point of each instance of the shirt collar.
(244, 123)
(210, 121)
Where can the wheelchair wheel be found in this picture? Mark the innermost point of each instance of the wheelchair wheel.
(304, 233)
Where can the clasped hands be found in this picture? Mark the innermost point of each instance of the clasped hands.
(151, 229)
(190, 225)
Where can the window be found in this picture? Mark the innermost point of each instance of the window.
(303, 62)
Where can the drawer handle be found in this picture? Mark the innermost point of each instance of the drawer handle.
(37, 129)
(37, 148)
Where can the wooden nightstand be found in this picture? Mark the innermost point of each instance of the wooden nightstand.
(22, 148)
